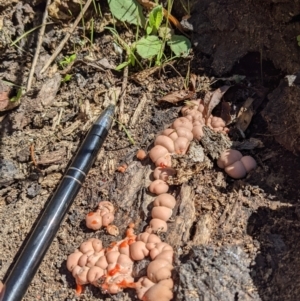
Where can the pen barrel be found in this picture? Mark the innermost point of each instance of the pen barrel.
(45, 230)
(28, 263)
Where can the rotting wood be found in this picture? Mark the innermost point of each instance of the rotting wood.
(179, 232)
(214, 143)
(203, 230)
(122, 116)
(52, 157)
(137, 113)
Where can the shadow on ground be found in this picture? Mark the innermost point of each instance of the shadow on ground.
(276, 271)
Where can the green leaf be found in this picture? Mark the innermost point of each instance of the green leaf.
(72, 58)
(298, 38)
(126, 131)
(132, 59)
(180, 45)
(67, 60)
(18, 96)
(123, 65)
(148, 30)
(156, 17)
(66, 78)
(127, 11)
(148, 47)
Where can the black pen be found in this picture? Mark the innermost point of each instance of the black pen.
(43, 234)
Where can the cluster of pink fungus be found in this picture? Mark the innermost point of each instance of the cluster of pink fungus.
(111, 269)
(235, 164)
(102, 217)
(176, 140)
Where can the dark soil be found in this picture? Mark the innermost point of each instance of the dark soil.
(234, 239)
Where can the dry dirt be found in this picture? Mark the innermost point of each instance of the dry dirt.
(234, 239)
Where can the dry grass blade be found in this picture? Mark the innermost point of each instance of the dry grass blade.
(66, 38)
(38, 47)
(245, 115)
(212, 99)
(177, 96)
(193, 82)
(143, 75)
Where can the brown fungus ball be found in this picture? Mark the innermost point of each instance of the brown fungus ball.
(102, 262)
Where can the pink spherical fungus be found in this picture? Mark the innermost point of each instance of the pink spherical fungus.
(102, 217)
(111, 268)
(235, 164)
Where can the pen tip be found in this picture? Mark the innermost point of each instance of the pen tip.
(106, 117)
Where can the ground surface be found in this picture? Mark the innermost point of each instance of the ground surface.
(234, 240)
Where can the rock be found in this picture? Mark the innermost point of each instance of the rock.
(33, 190)
(214, 274)
(8, 172)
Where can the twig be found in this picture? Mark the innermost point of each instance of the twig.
(38, 47)
(32, 155)
(139, 109)
(66, 38)
(122, 94)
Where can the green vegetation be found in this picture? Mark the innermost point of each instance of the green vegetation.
(67, 60)
(156, 35)
(67, 78)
